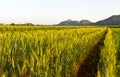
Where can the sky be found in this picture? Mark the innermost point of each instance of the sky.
(55, 11)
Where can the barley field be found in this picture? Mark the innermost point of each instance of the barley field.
(53, 51)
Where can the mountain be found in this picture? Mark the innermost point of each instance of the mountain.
(85, 22)
(113, 20)
(71, 22)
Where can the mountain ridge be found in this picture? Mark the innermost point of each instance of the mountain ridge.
(112, 20)
(75, 22)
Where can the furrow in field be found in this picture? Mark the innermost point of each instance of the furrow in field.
(107, 61)
(89, 66)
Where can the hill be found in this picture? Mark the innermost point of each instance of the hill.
(71, 22)
(113, 20)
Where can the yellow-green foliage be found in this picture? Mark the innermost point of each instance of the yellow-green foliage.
(108, 56)
(45, 51)
(116, 32)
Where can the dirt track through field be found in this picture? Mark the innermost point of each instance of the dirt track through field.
(89, 66)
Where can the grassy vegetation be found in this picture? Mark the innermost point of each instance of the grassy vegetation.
(116, 34)
(108, 56)
(52, 51)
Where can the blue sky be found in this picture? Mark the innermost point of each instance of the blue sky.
(55, 11)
